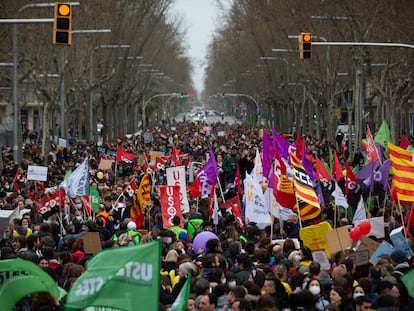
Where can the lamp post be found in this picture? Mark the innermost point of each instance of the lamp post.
(15, 96)
(252, 99)
(91, 77)
(145, 103)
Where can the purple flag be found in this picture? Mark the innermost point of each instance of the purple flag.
(382, 174)
(366, 175)
(210, 169)
(282, 146)
(268, 151)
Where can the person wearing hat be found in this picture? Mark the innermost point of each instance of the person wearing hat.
(133, 235)
(400, 263)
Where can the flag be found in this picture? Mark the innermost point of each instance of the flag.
(257, 172)
(337, 169)
(402, 167)
(211, 200)
(213, 205)
(366, 174)
(143, 197)
(170, 204)
(300, 148)
(21, 278)
(16, 180)
(94, 198)
(77, 184)
(234, 204)
(87, 204)
(131, 188)
(114, 276)
(160, 163)
(371, 149)
(237, 180)
(267, 153)
(383, 135)
(194, 190)
(381, 176)
(282, 147)
(180, 303)
(210, 169)
(282, 187)
(124, 156)
(255, 207)
(405, 143)
(339, 196)
(302, 184)
(351, 182)
(360, 213)
(176, 177)
(322, 173)
(175, 157)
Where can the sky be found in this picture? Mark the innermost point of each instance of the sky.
(200, 20)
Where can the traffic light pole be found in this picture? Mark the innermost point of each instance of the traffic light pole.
(393, 45)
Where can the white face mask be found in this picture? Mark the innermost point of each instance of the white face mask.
(78, 205)
(298, 258)
(315, 290)
(223, 281)
(356, 295)
(169, 240)
(232, 284)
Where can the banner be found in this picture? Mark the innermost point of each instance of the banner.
(116, 276)
(180, 303)
(170, 204)
(255, 210)
(77, 184)
(176, 177)
(37, 173)
(124, 156)
(20, 278)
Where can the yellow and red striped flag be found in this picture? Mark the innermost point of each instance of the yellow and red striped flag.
(143, 198)
(304, 190)
(402, 166)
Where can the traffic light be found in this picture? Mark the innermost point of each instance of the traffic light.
(62, 26)
(305, 45)
(182, 96)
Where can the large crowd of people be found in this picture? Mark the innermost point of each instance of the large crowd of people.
(240, 270)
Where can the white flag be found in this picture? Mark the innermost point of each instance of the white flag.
(257, 172)
(77, 183)
(215, 210)
(339, 196)
(360, 213)
(256, 210)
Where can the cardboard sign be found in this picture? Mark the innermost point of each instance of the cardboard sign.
(37, 173)
(365, 243)
(338, 239)
(315, 237)
(384, 248)
(398, 240)
(62, 142)
(105, 164)
(359, 258)
(91, 242)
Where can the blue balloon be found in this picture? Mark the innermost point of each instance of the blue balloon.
(201, 239)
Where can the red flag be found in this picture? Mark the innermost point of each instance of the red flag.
(131, 188)
(351, 181)
(124, 156)
(188, 161)
(371, 150)
(300, 148)
(322, 173)
(175, 157)
(337, 169)
(405, 143)
(282, 187)
(194, 190)
(16, 180)
(170, 204)
(237, 180)
(234, 204)
(160, 163)
(48, 203)
(87, 204)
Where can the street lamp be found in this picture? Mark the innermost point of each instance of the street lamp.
(91, 77)
(145, 103)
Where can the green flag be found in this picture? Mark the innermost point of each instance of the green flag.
(408, 280)
(19, 278)
(383, 135)
(180, 303)
(95, 198)
(67, 174)
(125, 278)
(330, 153)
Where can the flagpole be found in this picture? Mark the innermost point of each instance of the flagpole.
(402, 219)
(221, 190)
(300, 218)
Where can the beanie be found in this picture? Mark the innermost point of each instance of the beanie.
(131, 225)
(398, 256)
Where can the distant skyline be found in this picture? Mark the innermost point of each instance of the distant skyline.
(200, 20)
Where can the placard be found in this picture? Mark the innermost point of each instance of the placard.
(37, 173)
(91, 242)
(365, 243)
(320, 257)
(62, 142)
(6, 216)
(338, 239)
(377, 226)
(105, 164)
(359, 258)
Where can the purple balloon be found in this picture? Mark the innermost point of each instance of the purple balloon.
(201, 239)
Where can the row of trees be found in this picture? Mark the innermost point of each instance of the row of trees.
(115, 80)
(357, 85)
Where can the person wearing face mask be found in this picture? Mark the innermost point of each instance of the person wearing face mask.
(315, 288)
(357, 292)
(291, 227)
